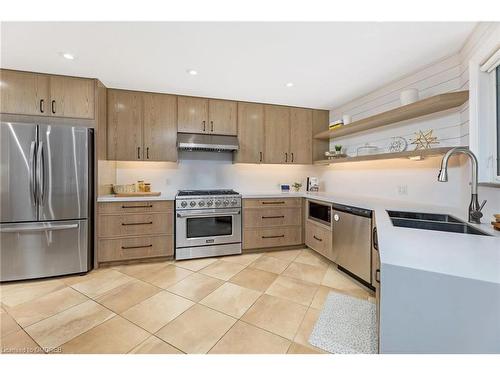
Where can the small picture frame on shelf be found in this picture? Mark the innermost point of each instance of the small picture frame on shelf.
(285, 188)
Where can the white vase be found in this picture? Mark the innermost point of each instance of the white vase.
(346, 119)
(408, 96)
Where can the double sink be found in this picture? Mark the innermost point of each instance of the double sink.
(439, 222)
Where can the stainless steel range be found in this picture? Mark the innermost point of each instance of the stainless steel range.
(208, 223)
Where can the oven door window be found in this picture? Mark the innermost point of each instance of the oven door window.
(209, 226)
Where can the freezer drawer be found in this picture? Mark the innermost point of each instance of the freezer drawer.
(43, 249)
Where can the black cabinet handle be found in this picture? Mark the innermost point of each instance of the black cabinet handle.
(375, 238)
(274, 236)
(377, 275)
(274, 202)
(204, 126)
(42, 109)
(274, 217)
(145, 206)
(286, 157)
(135, 247)
(292, 157)
(260, 154)
(147, 152)
(53, 106)
(318, 239)
(212, 126)
(145, 223)
(138, 152)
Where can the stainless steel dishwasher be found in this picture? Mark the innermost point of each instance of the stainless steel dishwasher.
(352, 232)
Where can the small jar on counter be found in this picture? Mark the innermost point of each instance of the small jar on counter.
(140, 186)
(147, 187)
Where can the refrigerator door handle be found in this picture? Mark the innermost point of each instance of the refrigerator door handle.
(40, 170)
(32, 173)
(41, 228)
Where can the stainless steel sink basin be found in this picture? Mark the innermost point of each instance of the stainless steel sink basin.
(439, 222)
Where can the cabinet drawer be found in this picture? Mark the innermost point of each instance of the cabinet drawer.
(133, 225)
(273, 237)
(272, 202)
(319, 238)
(135, 207)
(271, 217)
(135, 248)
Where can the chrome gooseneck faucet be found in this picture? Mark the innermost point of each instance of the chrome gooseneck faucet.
(475, 213)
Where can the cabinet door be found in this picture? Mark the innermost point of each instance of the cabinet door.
(192, 115)
(250, 133)
(222, 117)
(276, 134)
(160, 127)
(72, 97)
(24, 93)
(300, 136)
(124, 125)
(320, 124)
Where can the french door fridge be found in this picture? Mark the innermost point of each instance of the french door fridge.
(45, 200)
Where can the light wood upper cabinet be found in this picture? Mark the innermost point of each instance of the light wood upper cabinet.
(24, 93)
(192, 115)
(277, 134)
(72, 97)
(125, 110)
(320, 123)
(300, 136)
(250, 133)
(222, 115)
(160, 127)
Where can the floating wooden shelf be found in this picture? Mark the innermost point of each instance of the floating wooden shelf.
(421, 108)
(388, 155)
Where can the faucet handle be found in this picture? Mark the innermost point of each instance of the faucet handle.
(482, 205)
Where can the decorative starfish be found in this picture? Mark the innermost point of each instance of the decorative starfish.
(424, 140)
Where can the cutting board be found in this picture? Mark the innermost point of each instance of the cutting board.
(137, 194)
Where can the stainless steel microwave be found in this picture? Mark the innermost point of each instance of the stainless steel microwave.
(320, 212)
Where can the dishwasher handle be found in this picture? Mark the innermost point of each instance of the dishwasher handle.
(353, 210)
(375, 238)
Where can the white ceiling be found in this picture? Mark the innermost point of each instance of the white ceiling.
(329, 63)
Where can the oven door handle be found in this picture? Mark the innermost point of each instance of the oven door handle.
(212, 214)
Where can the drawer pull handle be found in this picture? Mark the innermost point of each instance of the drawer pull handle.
(274, 202)
(274, 217)
(274, 236)
(377, 276)
(145, 223)
(146, 206)
(135, 247)
(318, 239)
(53, 106)
(42, 109)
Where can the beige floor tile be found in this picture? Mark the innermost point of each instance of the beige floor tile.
(195, 264)
(79, 278)
(167, 276)
(196, 286)
(276, 315)
(285, 255)
(114, 336)
(197, 330)
(337, 280)
(301, 349)
(127, 295)
(306, 327)
(244, 338)
(66, 325)
(292, 289)
(153, 345)
(243, 259)
(13, 294)
(222, 270)
(305, 272)
(141, 270)
(154, 312)
(270, 264)
(19, 343)
(8, 324)
(231, 299)
(308, 256)
(43, 307)
(320, 297)
(253, 278)
(101, 283)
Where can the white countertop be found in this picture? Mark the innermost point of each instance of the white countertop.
(462, 255)
(112, 198)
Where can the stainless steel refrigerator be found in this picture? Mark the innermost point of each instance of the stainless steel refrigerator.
(45, 200)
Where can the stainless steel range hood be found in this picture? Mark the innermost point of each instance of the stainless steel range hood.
(206, 142)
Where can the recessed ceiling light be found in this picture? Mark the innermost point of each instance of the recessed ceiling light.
(192, 72)
(289, 84)
(68, 56)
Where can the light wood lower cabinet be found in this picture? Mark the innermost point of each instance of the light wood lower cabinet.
(319, 238)
(272, 237)
(135, 230)
(272, 217)
(272, 202)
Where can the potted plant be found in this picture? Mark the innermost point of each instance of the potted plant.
(338, 150)
(296, 186)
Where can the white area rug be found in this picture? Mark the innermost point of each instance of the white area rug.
(346, 325)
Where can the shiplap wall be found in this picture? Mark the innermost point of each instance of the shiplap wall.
(451, 127)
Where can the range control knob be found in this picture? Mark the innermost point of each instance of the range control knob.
(192, 203)
(184, 204)
(218, 202)
(226, 202)
(201, 203)
(210, 203)
(234, 202)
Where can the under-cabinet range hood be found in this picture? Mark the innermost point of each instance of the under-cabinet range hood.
(206, 142)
